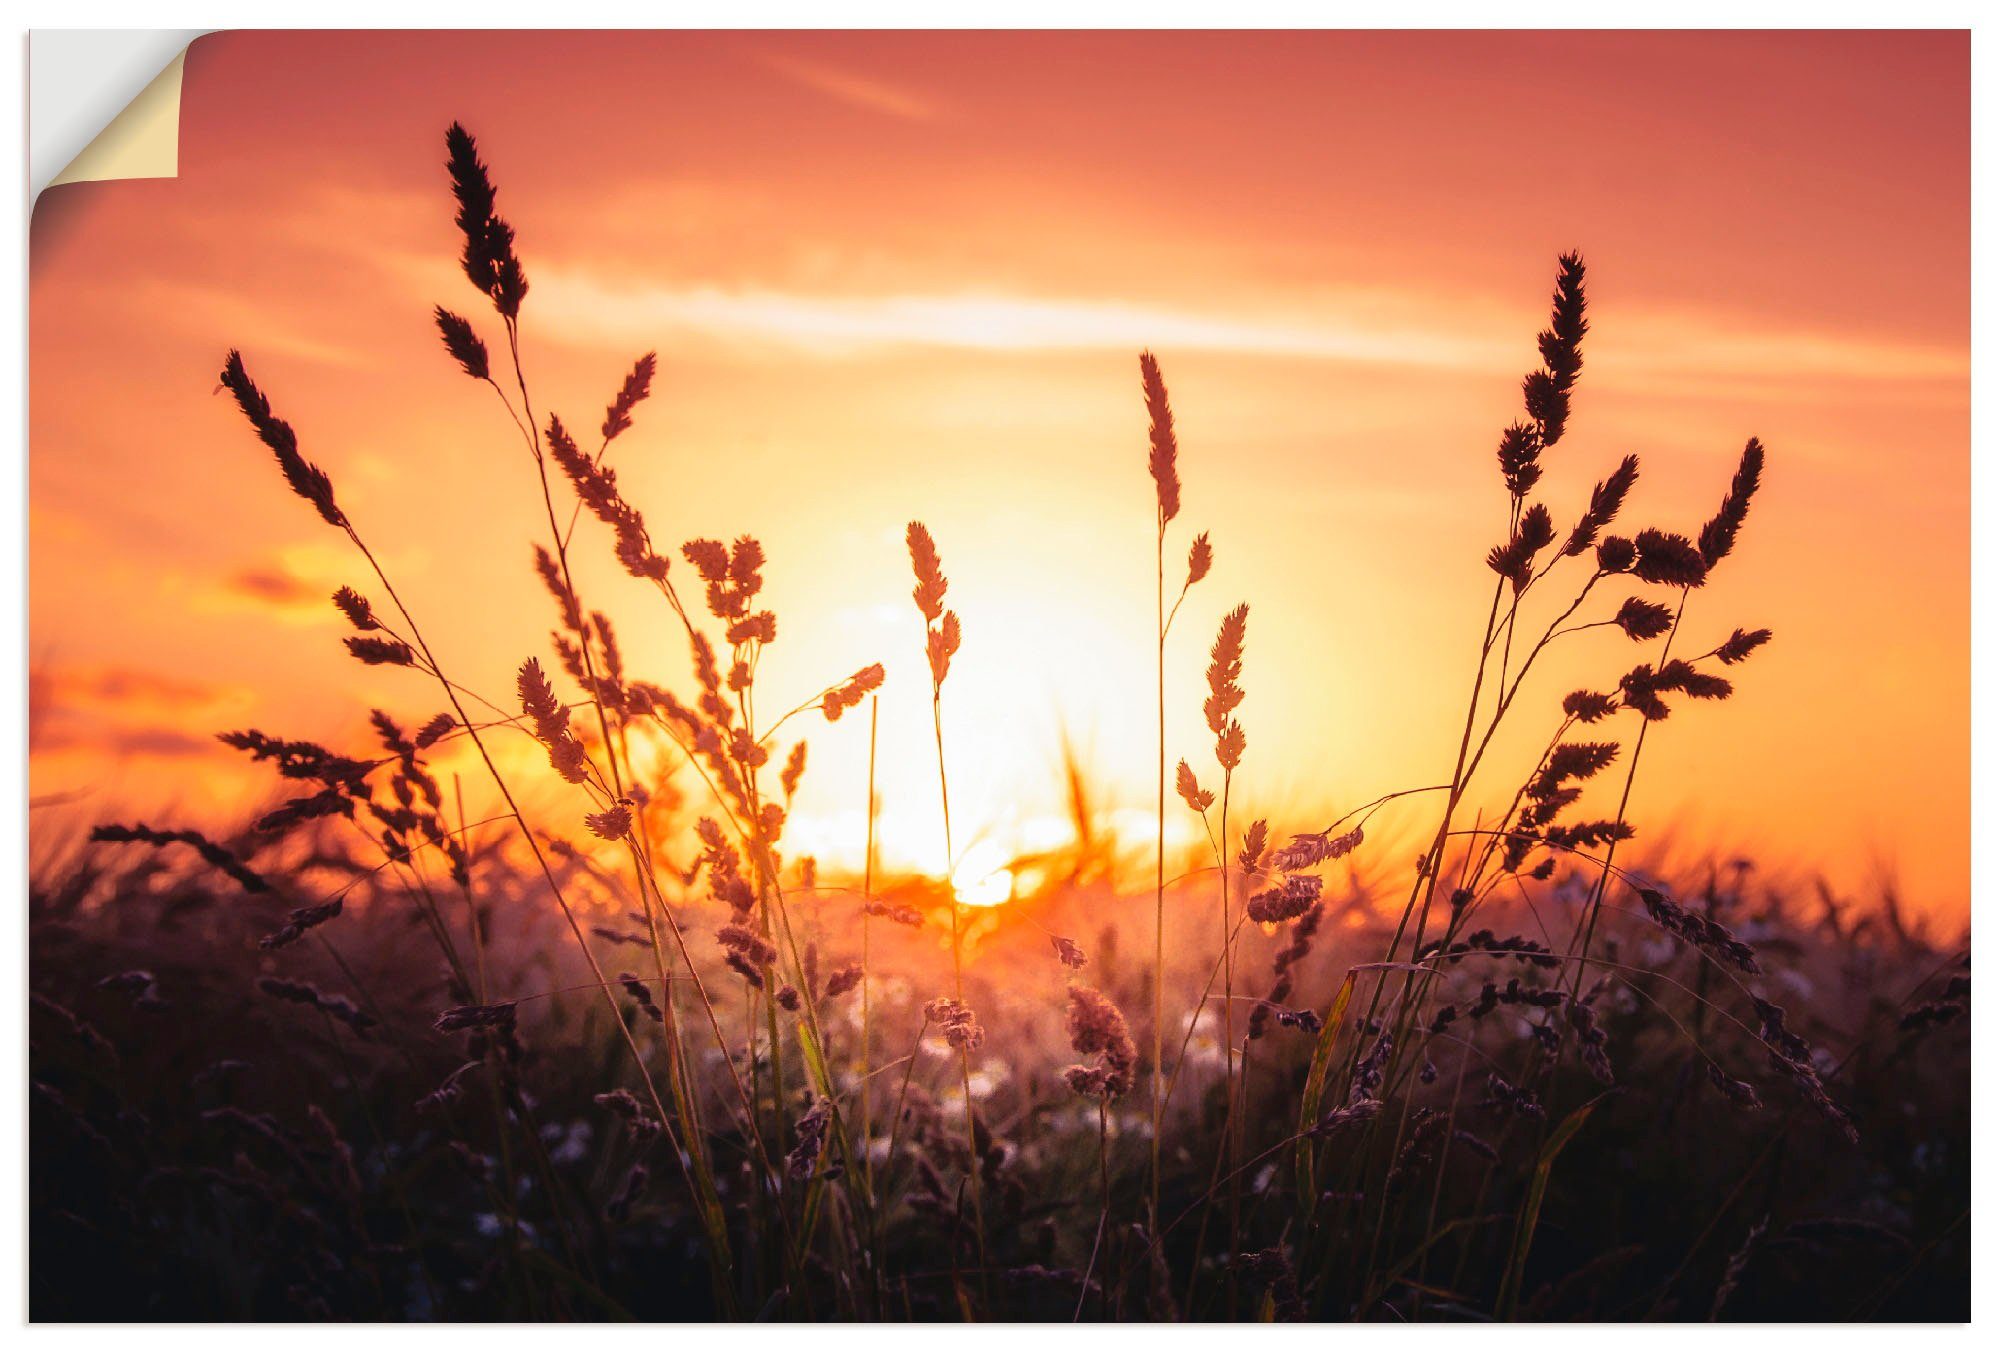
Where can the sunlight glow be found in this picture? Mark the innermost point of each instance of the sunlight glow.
(982, 877)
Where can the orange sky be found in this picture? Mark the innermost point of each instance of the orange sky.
(907, 275)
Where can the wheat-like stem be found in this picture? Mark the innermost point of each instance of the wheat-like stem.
(958, 974)
(1229, 1029)
(866, 1085)
(1159, 866)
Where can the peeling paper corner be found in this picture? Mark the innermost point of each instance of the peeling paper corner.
(143, 141)
(75, 77)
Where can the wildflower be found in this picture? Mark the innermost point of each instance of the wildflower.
(1308, 851)
(1718, 536)
(641, 1124)
(1165, 450)
(355, 607)
(929, 568)
(1643, 619)
(475, 1016)
(896, 913)
(1587, 706)
(1663, 557)
(302, 993)
(1225, 669)
(753, 947)
(1201, 557)
(1616, 555)
(1546, 392)
(811, 1134)
(641, 996)
(956, 1019)
(1097, 1028)
(795, 768)
(637, 386)
(843, 980)
(851, 692)
(1739, 645)
(614, 823)
(488, 258)
(1357, 1110)
(307, 480)
(1190, 791)
(380, 652)
(1252, 853)
(1289, 900)
(1605, 501)
(463, 344)
(1520, 449)
(551, 720)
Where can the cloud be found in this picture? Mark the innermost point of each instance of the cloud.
(207, 310)
(123, 711)
(295, 587)
(274, 587)
(164, 742)
(586, 309)
(129, 687)
(854, 90)
(159, 742)
(1678, 344)
(1656, 350)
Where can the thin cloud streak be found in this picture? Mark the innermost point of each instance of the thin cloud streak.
(583, 309)
(578, 307)
(854, 90)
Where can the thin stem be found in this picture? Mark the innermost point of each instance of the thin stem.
(867, 1005)
(1228, 1027)
(1103, 1215)
(958, 973)
(1159, 864)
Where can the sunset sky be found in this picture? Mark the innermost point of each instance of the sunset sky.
(897, 276)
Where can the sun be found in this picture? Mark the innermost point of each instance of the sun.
(982, 877)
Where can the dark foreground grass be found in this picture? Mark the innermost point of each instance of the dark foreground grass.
(207, 1146)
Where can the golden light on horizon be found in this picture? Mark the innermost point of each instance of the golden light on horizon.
(982, 877)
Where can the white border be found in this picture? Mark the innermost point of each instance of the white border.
(977, 14)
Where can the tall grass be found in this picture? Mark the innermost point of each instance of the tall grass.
(1437, 1101)
(1163, 463)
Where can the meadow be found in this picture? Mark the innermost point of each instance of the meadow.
(371, 1057)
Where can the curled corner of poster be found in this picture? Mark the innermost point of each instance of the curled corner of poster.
(103, 107)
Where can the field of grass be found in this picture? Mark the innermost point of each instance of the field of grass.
(368, 1059)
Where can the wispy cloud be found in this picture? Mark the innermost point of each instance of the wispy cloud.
(123, 711)
(1687, 344)
(164, 743)
(292, 587)
(273, 587)
(215, 311)
(130, 688)
(1654, 350)
(857, 91)
(586, 309)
